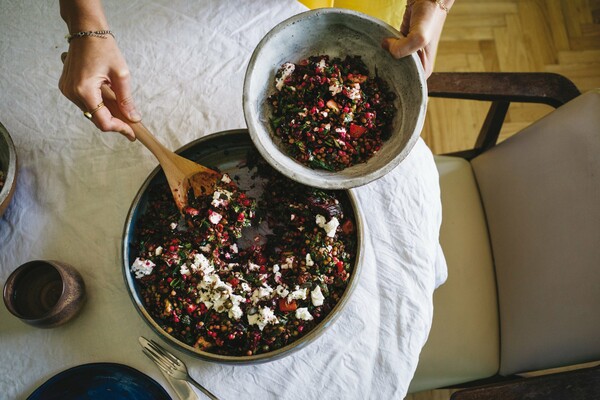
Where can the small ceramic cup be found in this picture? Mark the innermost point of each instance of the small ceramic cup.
(44, 294)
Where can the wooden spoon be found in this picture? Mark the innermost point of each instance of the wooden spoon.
(182, 174)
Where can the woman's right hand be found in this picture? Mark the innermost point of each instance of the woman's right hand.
(90, 63)
(93, 61)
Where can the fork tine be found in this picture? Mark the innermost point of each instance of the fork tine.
(165, 352)
(160, 361)
(158, 352)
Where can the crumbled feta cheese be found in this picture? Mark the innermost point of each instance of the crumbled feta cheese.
(214, 217)
(221, 198)
(330, 227)
(173, 226)
(184, 270)
(252, 266)
(263, 317)
(287, 70)
(309, 260)
(158, 251)
(246, 287)
(234, 248)
(302, 313)
(201, 263)
(264, 292)
(276, 268)
(281, 291)
(235, 312)
(335, 88)
(353, 92)
(298, 294)
(226, 178)
(141, 267)
(322, 64)
(316, 296)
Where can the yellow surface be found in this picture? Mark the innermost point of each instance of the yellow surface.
(390, 11)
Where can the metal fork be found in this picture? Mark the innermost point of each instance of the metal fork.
(170, 364)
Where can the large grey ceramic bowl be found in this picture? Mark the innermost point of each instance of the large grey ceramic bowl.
(334, 32)
(226, 151)
(8, 166)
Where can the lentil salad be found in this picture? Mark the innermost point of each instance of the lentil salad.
(204, 289)
(330, 113)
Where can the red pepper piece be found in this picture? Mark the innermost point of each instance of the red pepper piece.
(286, 306)
(233, 281)
(357, 131)
(347, 227)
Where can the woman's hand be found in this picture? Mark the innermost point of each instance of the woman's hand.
(422, 27)
(93, 61)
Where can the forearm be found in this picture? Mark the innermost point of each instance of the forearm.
(83, 15)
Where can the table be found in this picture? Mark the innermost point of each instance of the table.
(76, 184)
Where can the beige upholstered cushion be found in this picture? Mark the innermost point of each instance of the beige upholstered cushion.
(463, 344)
(541, 194)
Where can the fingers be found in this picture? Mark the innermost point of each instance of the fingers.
(121, 87)
(105, 121)
(421, 26)
(81, 82)
(90, 96)
(403, 47)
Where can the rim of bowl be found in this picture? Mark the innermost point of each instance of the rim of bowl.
(254, 359)
(11, 169)
(301, 173)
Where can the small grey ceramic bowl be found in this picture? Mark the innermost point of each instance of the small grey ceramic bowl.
(8, 167)
(337, 33)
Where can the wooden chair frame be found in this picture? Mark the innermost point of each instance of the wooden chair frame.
(501, 89)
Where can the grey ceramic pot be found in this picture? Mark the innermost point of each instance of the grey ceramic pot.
(225, 151)
(8, 165)
(335, 32)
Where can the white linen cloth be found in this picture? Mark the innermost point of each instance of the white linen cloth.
(75, 186)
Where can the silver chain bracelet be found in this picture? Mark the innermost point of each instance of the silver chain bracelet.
(101, 34)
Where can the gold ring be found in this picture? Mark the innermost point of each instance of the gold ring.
(89, 114)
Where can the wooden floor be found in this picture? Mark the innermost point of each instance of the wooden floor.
(561, 36)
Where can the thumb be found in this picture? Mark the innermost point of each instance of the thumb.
(401, 47)
(125, 99)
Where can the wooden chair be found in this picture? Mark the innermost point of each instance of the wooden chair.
(521, 236)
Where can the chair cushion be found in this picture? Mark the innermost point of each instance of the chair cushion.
(541, 195)
(463, 344)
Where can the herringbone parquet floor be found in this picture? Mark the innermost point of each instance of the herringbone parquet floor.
(561, 36)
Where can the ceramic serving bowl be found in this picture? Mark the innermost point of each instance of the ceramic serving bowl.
(224, 151)
(8, 167)
(337, 33)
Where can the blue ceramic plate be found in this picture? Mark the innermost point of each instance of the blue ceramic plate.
(100, 381)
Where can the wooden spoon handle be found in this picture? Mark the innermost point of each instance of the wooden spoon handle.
(163, 154)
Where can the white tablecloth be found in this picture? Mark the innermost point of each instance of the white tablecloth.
(75, 185)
